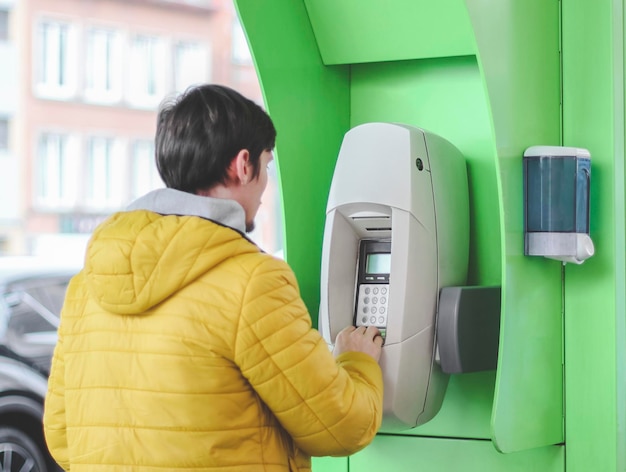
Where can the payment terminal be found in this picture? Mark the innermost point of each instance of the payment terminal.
(396, 233)
(372, 300)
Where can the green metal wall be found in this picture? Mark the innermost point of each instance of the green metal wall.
(593, 117)
(489, 76)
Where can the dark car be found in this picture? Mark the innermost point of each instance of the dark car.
(31, 296)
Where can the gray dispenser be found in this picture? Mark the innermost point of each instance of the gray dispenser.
(468, 329)
(556, 203)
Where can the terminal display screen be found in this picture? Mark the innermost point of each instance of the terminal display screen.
(378, 263)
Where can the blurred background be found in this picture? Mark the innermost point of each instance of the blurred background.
(80, 86)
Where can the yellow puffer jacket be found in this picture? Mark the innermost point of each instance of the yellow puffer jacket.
(182, 346)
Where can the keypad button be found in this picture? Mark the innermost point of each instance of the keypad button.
(366, 300)
(383, 291)
(374, 310)
(375, 300)
(383, 300)
(381, 310)
(373, 319)
(375, 291)
(367, 290)
(365, 309)
(381, 319)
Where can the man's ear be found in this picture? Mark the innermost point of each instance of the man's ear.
(240, 169)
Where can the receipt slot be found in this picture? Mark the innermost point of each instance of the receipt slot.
(396, 232)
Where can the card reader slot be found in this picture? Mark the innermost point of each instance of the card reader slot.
(377, 226)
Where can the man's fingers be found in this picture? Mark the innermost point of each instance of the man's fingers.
(371, 332)
(363, 339)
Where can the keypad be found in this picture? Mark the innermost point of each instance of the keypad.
(372, 305)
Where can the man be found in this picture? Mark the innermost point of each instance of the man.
(182, 345)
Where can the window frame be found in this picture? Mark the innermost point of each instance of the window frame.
(114, 67)
(63, 87)
(5, 19)
(139, 80)
(5, 134)
(63, 178)
(144, 176)
(106, 192)
(183, 79)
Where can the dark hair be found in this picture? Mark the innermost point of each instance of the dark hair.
(201, 131)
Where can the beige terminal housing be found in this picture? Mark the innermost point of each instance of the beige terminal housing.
(397, 231)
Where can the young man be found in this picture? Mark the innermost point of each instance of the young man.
(182, 345)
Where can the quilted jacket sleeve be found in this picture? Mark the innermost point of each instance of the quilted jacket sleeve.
(328, 406)
(54, 409)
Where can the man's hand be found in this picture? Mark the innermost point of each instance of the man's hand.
(366, 340)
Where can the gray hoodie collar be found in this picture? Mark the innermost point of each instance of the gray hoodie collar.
(168, 201)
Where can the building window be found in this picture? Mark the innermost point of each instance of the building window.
(56, 65)
(103, 66)
(4, 25)
(105, 174)
(144, 174)
(4, 134)
(191, 65)
(56, 173)
(241, 51)
(148, 64)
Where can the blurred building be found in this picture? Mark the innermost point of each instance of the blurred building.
(81, 83)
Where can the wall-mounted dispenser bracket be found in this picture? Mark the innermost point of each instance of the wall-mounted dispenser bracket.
(468, 329)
